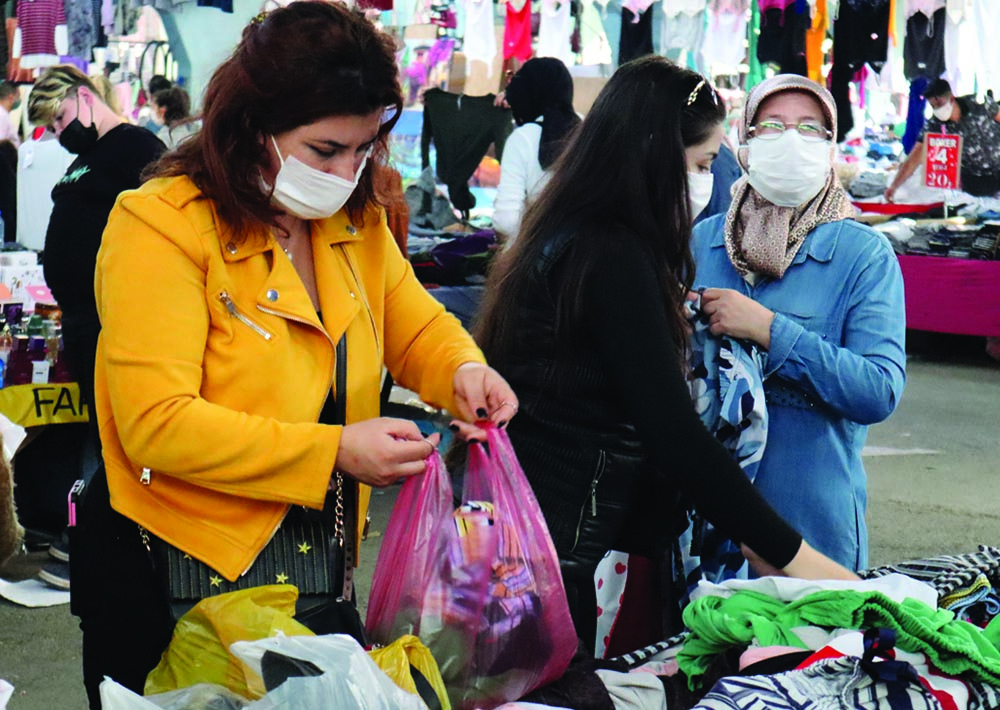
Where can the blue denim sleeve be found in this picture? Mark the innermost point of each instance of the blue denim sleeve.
(862, 377)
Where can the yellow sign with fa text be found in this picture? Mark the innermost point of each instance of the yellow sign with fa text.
(38, 405)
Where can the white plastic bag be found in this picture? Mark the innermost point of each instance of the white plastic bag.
(351, 680)
(117, 697)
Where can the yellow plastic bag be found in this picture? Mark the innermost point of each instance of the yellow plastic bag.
(396, 659)
(199, 649)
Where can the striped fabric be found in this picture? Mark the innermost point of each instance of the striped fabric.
(660, 651)
(836, 683)
(947, 573)
(37, 20)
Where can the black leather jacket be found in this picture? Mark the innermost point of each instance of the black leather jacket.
(582, 455)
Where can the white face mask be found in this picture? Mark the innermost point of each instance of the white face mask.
(943, 112)
(309, 193)
(789, 170)
(700, 191)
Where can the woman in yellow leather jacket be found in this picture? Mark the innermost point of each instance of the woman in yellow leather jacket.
(224, 285)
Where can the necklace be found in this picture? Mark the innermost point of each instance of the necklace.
(284, 240)
(288, 252)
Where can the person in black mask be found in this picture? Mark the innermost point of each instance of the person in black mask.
(540, 96)
(111, 156)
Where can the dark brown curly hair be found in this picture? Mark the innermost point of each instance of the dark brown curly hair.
(297, 65)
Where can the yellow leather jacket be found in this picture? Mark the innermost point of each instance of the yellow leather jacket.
(213, 365)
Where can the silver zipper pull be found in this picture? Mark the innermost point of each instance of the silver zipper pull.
(144, 536)
(228, 302)
(593, 503)
(145, 477)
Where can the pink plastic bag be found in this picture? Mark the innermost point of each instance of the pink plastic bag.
(480, 585)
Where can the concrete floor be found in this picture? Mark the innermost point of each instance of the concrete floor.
(920, 504)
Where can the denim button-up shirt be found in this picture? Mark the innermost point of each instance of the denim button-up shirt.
(836, 365)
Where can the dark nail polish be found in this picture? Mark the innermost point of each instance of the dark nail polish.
(453, 427)
(481, 413)
(475, 441)
(502, 424)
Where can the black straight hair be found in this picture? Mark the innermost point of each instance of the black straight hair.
(624, 172)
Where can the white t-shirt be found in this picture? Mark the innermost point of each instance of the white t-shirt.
(40, 165)
(521, 179)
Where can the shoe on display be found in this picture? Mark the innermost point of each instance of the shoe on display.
(55, 574)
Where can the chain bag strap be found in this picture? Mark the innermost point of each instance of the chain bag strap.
(308, 550)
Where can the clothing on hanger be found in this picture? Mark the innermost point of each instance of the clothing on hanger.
(41, 36)
(860, 36)
(81, 28)
(815, 37)
(480, 41)
(554, 30)
(517, 32)
(723, 47)
(782, 38)
(636, 35)
(462, 129)
(923, 49)
(927, 7)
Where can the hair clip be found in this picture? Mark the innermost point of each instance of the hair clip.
(694, 94)
(258, 18)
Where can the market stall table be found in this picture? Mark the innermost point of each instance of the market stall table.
(947, 295)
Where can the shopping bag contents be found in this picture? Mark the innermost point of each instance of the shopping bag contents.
(199, 650)
(480, 584)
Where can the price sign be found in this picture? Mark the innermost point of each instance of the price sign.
(943, 165)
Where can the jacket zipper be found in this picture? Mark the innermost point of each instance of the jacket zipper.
(601, 457)
(364, 297)
(145, 479)
(234, 312)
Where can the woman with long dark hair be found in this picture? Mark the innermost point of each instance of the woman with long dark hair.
(584, 318)
(250, 296)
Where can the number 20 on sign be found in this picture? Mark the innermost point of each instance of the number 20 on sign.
(943, 165)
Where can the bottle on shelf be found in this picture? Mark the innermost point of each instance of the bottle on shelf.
(53, 337)
(6, 342)
(34, 326)
(40, 364)
(19, 364)
(12, 312)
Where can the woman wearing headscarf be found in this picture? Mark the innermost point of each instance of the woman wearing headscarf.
(789, 270)
(540, 97)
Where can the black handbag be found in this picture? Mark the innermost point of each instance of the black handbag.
(313, 550)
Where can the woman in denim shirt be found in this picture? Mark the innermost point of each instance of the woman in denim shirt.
(788, 269)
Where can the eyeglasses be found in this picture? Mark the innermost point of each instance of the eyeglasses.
(812, 131)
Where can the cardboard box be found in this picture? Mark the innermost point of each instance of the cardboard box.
(25, 284)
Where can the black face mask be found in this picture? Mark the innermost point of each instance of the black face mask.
(78, 138)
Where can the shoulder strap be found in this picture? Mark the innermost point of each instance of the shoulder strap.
(346, 486)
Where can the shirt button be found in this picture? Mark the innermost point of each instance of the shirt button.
(352, 295)
(272, 295)
(231, 248)
(351, 229)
